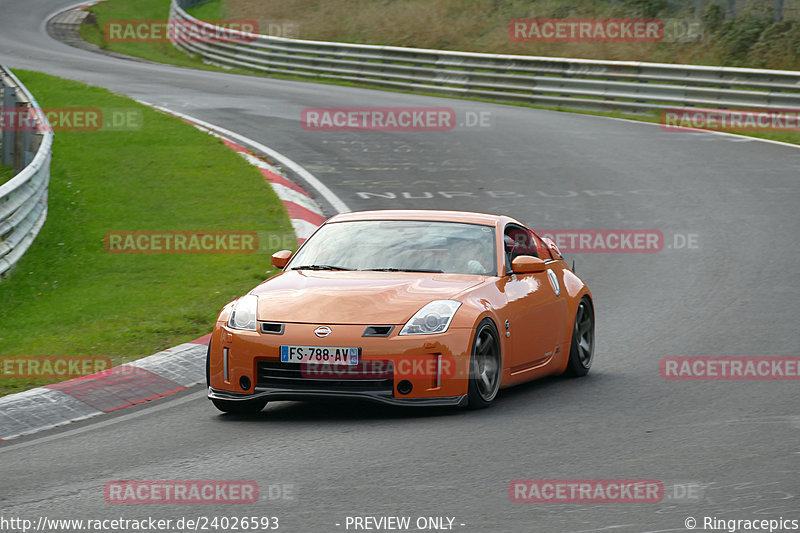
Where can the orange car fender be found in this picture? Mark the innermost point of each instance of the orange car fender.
(214, 363)
(215, 343)
(479, 303)
(576, 289)
(573, 284)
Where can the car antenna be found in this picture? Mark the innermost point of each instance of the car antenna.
(573, 266)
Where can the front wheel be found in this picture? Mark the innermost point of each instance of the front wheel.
(485, 367)
(241, 407)
(581, 351)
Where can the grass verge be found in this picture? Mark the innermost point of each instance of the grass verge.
(6, 173)
(150, 10)
(69, 296)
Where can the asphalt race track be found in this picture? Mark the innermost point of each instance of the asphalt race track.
(735, 444)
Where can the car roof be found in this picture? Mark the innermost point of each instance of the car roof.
(425, 214)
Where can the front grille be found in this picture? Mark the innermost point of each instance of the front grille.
(367, 376)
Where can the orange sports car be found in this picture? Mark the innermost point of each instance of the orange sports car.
(405, 308)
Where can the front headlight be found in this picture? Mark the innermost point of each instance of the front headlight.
(244, 313)
(433, 318)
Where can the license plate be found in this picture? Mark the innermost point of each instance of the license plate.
(319, 354)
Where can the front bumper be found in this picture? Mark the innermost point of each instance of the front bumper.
(322, 394)
(433, 368)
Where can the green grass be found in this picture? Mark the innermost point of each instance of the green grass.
(6, 173)
(215, 9)
(68, 296)
(125, 10)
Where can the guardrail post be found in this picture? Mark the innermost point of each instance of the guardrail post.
(27, 153)
(7, 142)
(778, 11)
(19, 146)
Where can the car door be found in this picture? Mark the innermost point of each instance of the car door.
(535, 303)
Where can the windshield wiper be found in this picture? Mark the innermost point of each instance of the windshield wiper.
(433, 271)
(319, 267)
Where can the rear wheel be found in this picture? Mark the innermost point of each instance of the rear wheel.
(240, 407)
(581, 351)
(485, 368)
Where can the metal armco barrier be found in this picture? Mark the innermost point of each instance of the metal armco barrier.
(23, 198)
(629, 86)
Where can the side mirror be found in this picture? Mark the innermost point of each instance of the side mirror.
(527, 264)
(279, 259)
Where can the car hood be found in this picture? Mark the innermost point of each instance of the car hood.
(343, 297)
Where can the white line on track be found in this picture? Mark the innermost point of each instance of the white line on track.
(168, 404)
(738, 136)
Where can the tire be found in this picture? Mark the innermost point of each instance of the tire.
(581, 352)
(485, 366)
(240, 407)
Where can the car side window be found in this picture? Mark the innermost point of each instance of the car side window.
(518, 241)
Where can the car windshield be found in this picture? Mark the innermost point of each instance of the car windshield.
(400, 245)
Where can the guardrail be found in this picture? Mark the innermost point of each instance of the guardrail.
(629, 86)
(23, 198)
